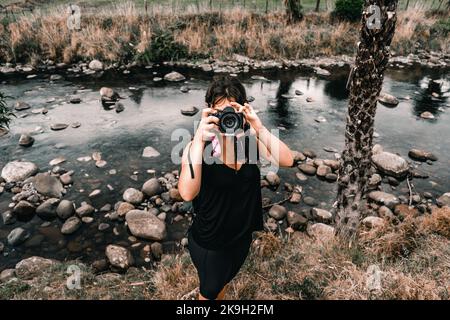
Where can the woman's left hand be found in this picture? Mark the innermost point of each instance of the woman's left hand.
(249, 114)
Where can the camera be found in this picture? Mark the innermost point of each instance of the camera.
(230, 121)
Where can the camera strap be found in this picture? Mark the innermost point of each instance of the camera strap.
(191, 168)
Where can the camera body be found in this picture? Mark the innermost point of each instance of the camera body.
(230, 121)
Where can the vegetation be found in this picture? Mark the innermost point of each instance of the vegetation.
(348, 10)
(5, 113)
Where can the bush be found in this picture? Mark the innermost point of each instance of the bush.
(163, 47)
(5, 113)
(441, 28)
(348, 10)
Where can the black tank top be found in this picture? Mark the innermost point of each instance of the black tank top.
(228, 207)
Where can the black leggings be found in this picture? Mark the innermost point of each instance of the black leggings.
(216, 268)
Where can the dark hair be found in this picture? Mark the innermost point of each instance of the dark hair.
(225, 87)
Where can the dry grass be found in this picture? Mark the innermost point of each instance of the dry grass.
(120, 33)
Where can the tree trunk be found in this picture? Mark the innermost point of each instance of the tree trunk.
(293, 10)
(407, 5)
(317, 5)
(365, 84)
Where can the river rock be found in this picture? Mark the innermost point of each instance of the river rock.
(386, 213)
(189, 111)
(119, 107)
(7, 275)
(75, 100)
(390, 164)
(66, 179)
(273, 179)
(333, 164)
(295, 197)
(119, 257)
(174, 77)
(277, 212)
(421, 155)
(295, 220)
(174, 195)
(71, 225)
(307, 169)
(323, 170)
(298, 156)
(18, 171)
(384, 198)
(26, 140)
(157, 250)
(17, 236)
(8, 218)
(133, 196)
(373, 222)
(321, 232)
(33, 267)
(427, 115)
(310, 201)
(108, 94)
(152, 187)
(24, 211)
(48, 185)
(65, 209)
(55, 77)
(145, 225)
(123, 208)
(321, 215)
(150, 152)
(85, 210)
(20, 106)
(47, 210)
(96, 65)
(444, 200)
(374, 180)
(387, 99)
(58, 126)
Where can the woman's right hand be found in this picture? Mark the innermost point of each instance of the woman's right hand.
(208, 125)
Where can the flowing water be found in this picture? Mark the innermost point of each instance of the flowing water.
(152, 113)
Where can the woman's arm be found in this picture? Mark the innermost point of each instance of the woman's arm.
(270, 147)
(189, 186)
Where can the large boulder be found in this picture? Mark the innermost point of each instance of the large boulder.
(32, 267)
(152, 187)
(119, 257)
(390, 164)
(387, 199)
(96, 65)
(174, 76)
(48, 185)
(421, 155)
(387, 99)
(145, 225)
(47, 210)
(24, 211)
(18, 171)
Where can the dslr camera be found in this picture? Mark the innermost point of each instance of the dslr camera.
(230, 121)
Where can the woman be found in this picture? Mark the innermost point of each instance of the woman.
(226, 192)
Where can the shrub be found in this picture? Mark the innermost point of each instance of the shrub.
(163, 47)
(348, 10)
(5, 113)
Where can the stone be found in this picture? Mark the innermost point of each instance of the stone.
(157, 250)
(296, 220)
(377, 149)
(427, 115)
(189, 111)
(403, 211)
(333, 164)
(150, 152)
(75, 100)
(24, 211)
(174, 77)
(133, 196)
(388, 100)
(26, 140)
(96, 65)
(17, 236)
(174, 195)
(321, 215)
(298, 93)
(20, 106)
(184, 89)
(374, 180)
(87, 220)
(152, 187)
(310, 201)
(386, 213)
(119, 107)
(300, 176)
(307, 169)
(48, 185)
(123, 208)
(421, 155)
(66, 179)
(273, 179)
(18, 171)
(8, 218)
(444, 200)
(331, 177)
(373, 222)
(298, 156)
(103, 226)
(7, 275)
(85, 210)
(145, 225)
(277, 212)
(321, 232)
(55, 77)
(71, 225)
(109, 95)
(119, 257)
(65, 209)
(47, 210)
(323, 170)
(57, 161)
(384, 198)
(295, 197)
(95, 193)
(58, 126)
(391, 164)
(33, 267)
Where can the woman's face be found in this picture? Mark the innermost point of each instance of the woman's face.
(220, 104)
